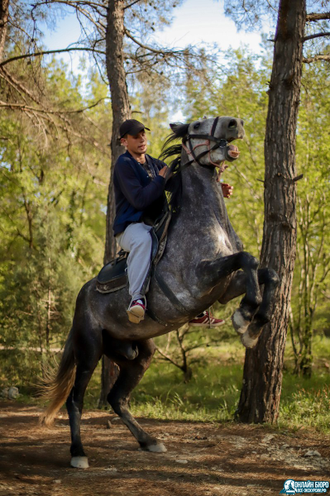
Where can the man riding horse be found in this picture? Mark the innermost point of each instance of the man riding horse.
(139, 183)
(203, 262)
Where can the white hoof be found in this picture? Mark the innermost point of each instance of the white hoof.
(247, 341)
(239, 323)
(79, 462)
(157, 448)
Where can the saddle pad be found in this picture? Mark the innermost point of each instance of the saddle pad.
(112, 276)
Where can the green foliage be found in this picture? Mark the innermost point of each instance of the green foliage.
(38, 298)
(52, 220)
(311, 281)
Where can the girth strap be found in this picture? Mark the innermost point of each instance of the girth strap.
(170, 296)
(169, 293)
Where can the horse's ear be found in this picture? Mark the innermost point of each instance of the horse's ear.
(180, 130)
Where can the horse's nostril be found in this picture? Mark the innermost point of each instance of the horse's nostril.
(242, 123)
(232, 124)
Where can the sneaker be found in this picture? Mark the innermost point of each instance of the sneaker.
(136, 311)
(206, 320)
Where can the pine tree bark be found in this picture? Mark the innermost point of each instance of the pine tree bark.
(4, 11)
(120, 104)
(262, 378)
(120, 112)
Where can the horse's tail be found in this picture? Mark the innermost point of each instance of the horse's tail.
(58, 385)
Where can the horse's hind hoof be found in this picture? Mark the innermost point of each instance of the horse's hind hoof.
(79, 462)
(155, 448)
(239, 323)
(248, 341)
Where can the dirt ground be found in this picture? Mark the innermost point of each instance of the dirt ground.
(202, 459)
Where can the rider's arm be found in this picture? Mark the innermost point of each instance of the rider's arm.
(139, 196)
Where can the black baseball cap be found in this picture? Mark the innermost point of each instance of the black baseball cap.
(132, 127)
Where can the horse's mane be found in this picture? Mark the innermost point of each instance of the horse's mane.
(173, 151)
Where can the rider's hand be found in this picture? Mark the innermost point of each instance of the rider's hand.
(164, 172)
(227, 190)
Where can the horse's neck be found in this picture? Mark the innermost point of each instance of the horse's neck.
(202, 194)
(202, 205)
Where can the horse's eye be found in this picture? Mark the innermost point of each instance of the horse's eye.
(232, 124)
(196, 125)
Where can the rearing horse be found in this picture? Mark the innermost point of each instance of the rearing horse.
(203, 262)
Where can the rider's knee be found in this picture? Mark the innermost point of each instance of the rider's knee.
(142, 243)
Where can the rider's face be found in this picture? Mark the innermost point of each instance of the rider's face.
(136, 145)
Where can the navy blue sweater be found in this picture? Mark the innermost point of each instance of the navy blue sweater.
(135, 191)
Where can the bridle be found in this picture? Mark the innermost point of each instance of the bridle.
(218, 143)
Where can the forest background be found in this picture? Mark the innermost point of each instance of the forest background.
(54, 175)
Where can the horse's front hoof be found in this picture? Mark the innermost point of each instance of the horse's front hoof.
(239, 323)
(155, 448)
(79, 462)
(248, 341)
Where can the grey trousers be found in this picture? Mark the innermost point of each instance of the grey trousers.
(136, 239)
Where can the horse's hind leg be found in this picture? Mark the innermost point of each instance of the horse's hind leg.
(87, 360)
(213, 271)
(131, 372)
(270, 280)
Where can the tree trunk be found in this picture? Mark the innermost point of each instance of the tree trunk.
(108, 378)
(120, 112)
(4, 8)
(262, 380)
(120, 104)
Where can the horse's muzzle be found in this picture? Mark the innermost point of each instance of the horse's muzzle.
(232, 152)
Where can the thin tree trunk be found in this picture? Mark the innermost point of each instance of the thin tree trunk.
(49, 316)
(120, 104)
(108, 378)
(262, 382)
(4, 8)
(120, 112)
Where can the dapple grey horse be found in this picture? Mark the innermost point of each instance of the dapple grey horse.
(203, 262)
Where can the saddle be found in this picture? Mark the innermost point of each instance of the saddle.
(113, 276)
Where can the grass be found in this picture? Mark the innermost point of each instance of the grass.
(213, 392)
(306, 409)
(305, 403)
(211, 395)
